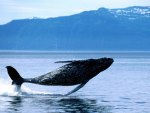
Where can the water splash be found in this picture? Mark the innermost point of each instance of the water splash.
(6, 89)
(27, 91)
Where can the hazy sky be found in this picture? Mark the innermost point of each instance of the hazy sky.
(18, 9)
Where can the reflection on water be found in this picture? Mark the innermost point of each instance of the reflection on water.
(16, 103)
(52, 104)
(78, 105)
(72, 105)
(11, 104)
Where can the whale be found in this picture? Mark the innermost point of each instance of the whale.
(75, 72)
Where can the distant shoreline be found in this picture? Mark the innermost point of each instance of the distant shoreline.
(73, 54)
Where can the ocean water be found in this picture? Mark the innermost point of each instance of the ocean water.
(123, 88)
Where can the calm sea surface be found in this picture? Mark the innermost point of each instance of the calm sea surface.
(123, 88)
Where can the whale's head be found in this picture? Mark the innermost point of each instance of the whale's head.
(96, 66)
(103, 63)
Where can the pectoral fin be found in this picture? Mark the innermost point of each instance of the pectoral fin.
(76, 88)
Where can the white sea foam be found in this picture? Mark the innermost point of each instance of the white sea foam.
(26, 90)
(6, 89)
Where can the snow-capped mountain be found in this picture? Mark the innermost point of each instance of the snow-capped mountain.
(134, 12)
(102, 29)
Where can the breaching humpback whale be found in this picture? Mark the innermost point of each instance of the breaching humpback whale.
(73, 73)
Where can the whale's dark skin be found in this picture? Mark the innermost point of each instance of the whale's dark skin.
(73, 73)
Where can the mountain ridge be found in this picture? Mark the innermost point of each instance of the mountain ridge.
(102, 29)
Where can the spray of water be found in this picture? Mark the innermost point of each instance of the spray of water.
(6, 89)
